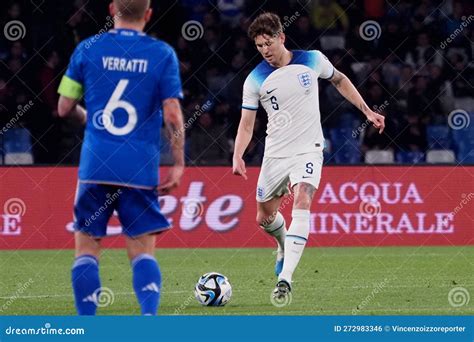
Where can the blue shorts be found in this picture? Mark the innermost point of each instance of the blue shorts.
(138, 210)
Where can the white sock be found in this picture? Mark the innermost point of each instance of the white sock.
(277, 229)
(295, 242)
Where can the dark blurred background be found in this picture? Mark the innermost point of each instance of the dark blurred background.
(411, 60)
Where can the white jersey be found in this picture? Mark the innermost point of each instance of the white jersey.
(289, 95)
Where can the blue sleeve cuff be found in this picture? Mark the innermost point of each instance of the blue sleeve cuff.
(249, 108)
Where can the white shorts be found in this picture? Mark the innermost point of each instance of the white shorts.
(278, 175)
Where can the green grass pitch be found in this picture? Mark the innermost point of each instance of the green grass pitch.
(328, 281)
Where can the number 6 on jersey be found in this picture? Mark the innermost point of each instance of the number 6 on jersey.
(115, 103)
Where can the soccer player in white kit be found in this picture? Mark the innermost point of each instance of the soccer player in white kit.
(286, 85)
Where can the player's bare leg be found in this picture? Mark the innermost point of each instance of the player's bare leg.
(144, 244)
(85, 273)
(296, 237)
(146, 273)
(86, 245)
(272, 222)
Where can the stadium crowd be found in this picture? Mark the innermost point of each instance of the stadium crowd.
(415, 67)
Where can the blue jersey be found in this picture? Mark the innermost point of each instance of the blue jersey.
(124, 75)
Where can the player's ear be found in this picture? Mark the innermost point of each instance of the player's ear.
(148, 14)
(112, 9)
(282, 37)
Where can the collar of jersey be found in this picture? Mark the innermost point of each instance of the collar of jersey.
(127, 32)
(292, 60)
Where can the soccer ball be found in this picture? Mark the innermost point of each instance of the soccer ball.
(213, 289)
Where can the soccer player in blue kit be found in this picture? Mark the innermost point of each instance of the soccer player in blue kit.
(130, 83)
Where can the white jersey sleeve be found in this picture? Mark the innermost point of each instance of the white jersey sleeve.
(324, 68)
(251, 96)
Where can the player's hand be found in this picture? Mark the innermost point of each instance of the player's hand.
(172, 180)
(377, 120)
(238, 167)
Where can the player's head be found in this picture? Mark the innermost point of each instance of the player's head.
(131, 11)
(267, 32)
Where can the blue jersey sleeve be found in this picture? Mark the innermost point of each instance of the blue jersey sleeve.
(170, 81)
(72, 82)
(75, 67)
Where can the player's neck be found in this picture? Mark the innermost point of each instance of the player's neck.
(138, 26)
(285, 59)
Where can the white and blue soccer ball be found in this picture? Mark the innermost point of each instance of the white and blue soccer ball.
(213, 289)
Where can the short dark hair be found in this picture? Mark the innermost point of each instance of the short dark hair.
(266, 23)
(131, 10)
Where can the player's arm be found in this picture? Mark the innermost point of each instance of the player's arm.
(70, 108)
(174, 124)
(244, 135)
(349, 91)
(71, 89)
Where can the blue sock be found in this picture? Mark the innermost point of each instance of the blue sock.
(147, 283)
(86, 284)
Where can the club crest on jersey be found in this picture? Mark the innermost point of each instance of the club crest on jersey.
(260, 192)
(305, 79)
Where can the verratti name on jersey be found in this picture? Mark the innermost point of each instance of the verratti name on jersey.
(123, 76)
(124, 64)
